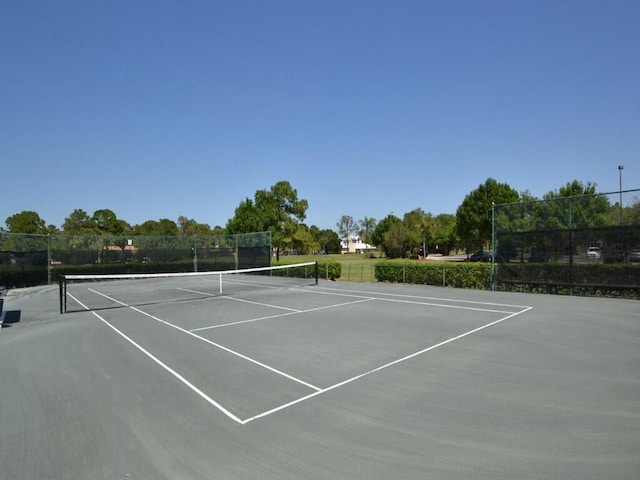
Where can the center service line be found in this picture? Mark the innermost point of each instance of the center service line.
(278, 315)
(217, 345)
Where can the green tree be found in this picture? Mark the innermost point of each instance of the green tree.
(112, 231)
(246, 219)
(397, 241)
(473, 217)
(575, 205)
(328, 240)
(444, 236)
(163, 227)
(303, 241)
(367, 226)
(383, 226)
(632, 213)
(78, 223)
(419, 226)
(26, 221)
(346, 226)
(278, 210)
(106, 222)
(190, 227)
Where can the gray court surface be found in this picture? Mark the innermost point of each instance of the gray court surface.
(334, 381)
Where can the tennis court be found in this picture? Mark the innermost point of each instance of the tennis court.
(180, 379)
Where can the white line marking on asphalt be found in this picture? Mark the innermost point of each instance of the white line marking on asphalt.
(244, 300)
(382, 367)
(318, 391)
(182, 379)
(438, 299)
(214, 344)
(269, 317)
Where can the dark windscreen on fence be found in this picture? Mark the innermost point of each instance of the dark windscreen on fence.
(27, 260)
(584, 244)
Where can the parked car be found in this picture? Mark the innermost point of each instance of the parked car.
(481, 257)
(593, 252)
(634, 255)
(615, 256)
(540, 256)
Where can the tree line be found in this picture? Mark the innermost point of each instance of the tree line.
(105, 222)
(280, 211)
(470, 229)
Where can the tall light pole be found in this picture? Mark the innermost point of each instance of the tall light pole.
(620, 168)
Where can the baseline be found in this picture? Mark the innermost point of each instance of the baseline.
(362, 296)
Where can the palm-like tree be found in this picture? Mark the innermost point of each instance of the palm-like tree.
(367, 226)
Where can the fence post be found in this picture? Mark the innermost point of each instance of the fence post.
(195, 253)
(49, 259)
(493, 247)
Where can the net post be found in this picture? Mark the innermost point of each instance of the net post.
(316, 271)
(62, 294)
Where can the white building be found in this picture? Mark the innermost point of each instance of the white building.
(353, 244)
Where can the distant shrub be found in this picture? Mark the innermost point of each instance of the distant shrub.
(459, 275)
(329, 270)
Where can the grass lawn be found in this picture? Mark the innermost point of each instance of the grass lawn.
(355, 267)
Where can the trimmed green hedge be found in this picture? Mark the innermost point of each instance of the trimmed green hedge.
(606, 280)
(329, 270)
(458, 275)
(306, 271)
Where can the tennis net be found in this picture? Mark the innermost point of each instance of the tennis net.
(95, 292)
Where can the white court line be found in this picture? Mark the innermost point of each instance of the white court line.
(261, 304)
(269, 317)
(214, 344)
(430, 304)
(318, 391)
(206, 294)
(416, 302)
(438, 299)
(186, 382)
(238, 300)
(240, 322)
(250, 283)
(382, 367)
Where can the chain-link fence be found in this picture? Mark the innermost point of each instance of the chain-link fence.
(27, 260)
(587, 244)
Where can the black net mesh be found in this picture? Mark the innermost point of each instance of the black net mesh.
(578, 245)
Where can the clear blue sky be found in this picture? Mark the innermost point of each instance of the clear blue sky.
(156, 109)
